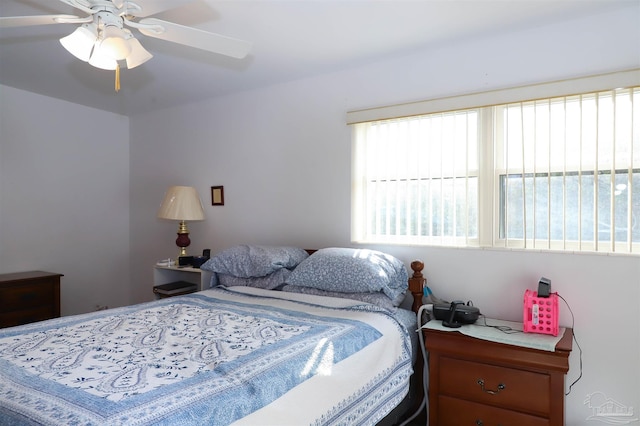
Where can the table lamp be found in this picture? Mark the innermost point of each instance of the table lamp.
(181, 203)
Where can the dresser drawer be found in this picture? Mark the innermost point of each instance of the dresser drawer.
(458, 412)
(494, 385)
(26, 316)
(26, 296)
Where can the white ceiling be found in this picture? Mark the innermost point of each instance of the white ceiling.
(292, 40)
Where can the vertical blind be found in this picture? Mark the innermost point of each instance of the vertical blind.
(569, 172)
(416, 179)
(560, 173)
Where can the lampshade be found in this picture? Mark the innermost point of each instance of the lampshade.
(138, 55)
(113, 43)
(80, 42)
(100, 59)
(181, 203)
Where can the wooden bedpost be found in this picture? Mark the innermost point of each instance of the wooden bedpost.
(416, 284)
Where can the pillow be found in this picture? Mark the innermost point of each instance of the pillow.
(246, 261)
(348, 270)
(268, 282)
(378, 299)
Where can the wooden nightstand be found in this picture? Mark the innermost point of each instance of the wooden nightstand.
(29, 297)
(478, 382)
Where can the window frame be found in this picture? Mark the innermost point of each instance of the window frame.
(488, 202)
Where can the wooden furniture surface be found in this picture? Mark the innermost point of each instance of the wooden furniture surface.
(27, 297)
(477, 382)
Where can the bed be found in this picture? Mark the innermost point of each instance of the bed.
(272, 341)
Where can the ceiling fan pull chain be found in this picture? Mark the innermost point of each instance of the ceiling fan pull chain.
(117, 77)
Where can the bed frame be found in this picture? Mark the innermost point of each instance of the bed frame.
(416, 284)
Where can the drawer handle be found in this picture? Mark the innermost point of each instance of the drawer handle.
(479, 422)
(501, 386)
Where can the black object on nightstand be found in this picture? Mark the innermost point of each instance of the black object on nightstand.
(176, 288)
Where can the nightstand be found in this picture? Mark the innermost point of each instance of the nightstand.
(170, 274)
(478, 382)
(27, 297)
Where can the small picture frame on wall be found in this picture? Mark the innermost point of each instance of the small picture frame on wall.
(217, 196)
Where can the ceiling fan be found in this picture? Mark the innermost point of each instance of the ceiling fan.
(103, 40)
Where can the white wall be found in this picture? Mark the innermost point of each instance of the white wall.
(64, 197)
(283, 156)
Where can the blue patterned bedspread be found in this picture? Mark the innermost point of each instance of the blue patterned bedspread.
(198, 359)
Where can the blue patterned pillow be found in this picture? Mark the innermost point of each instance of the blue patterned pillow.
(254, 261)
(348, 270)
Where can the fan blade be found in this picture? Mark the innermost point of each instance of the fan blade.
(83, 5)
(142, 8)
(194, 37)
(25, 21)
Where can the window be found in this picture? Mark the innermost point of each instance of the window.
(418, 179)
(568, 172)
(557, 173)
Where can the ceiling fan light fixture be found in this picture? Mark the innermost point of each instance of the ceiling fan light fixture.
(139, 55)
(104, 42)
(80, 42)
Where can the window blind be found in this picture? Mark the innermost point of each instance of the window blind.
(569, 172)
(556, 173)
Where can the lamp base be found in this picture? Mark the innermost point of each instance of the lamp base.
(183, 240)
